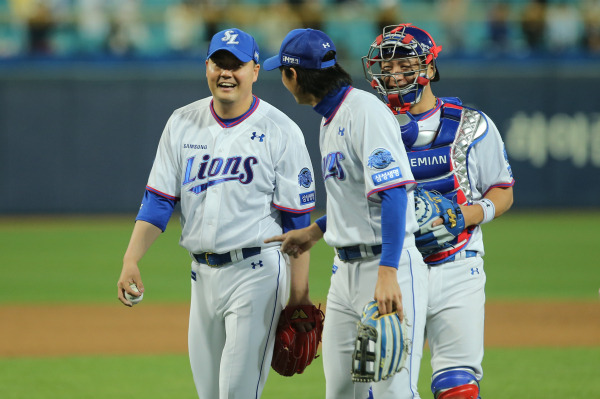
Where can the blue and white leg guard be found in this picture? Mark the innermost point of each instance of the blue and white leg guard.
(456, 383)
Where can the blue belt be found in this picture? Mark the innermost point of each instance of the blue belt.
(215, 260)
(358, 252)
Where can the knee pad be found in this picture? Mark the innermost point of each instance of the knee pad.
(457, 383)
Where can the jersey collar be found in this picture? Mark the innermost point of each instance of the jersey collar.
(235, 121)
(425, 115)
(330, 104)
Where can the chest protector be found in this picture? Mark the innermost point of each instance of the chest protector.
(442, 164)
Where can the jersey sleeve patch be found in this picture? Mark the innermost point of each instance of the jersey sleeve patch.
(380, 159)
(307, 198)
(386, 176)
(305, 178)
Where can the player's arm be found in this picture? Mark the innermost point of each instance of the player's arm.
(151, 221)
(144, 234)
(299, 266)
(298, 241)
(393, 227)
(496, 202)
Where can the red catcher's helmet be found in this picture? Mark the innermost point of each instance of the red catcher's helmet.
(401, 41)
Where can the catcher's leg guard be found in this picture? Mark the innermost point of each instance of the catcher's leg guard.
(458, 383)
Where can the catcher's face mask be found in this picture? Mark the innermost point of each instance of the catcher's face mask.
(400, 63)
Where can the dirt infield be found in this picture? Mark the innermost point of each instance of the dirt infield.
(154, 329)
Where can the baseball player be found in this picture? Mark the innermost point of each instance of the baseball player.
(370, 212)
(457, 151)
(242, 173)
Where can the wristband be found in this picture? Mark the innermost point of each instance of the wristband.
(489, 210)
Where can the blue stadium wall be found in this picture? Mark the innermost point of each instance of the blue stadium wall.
(82, 140)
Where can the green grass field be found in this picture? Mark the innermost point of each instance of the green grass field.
(530, 256)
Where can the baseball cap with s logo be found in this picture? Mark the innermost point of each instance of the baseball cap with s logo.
(237, 42)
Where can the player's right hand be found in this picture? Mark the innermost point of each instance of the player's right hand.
(387, 292)
(130, 274)
(296, 242)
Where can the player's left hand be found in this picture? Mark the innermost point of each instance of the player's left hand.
(440, 221)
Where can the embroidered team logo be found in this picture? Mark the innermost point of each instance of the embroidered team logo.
(230, 37)
(305, 178)
(380, 159)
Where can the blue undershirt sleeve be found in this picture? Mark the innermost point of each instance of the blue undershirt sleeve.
(393, 224)
(294, 221)
(156, 210)
(322, 223)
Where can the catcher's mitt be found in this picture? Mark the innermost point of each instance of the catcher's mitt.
(381, 345)
(430, 205)
(295, 350)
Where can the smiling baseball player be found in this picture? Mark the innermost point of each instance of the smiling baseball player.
(458, 152)
(242, 173)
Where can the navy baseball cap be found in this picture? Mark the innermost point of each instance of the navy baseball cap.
(304, 48)
(237, 42)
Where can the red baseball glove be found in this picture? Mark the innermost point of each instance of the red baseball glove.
(294, 350)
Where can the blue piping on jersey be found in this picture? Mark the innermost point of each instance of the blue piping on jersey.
(330, 104)
(165, 195)
(225, 123)
(412, 283)
(283, 208)
(262, 363)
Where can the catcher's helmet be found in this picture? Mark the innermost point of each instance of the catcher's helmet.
(401, 41)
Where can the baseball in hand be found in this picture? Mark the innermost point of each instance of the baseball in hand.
(134, 299)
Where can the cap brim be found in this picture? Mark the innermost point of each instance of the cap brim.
(272, 63)
(238, 54)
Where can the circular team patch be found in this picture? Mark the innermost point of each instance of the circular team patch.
(380, 159)
(305, 178)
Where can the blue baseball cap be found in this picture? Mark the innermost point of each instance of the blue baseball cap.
(304, 48)
(237, 42)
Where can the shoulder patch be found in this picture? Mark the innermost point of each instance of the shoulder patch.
(380, 159)
(305, 178)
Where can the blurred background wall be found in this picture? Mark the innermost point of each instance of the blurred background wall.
(86, 86)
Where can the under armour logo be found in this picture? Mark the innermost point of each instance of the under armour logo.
(341, 131)
(474, 270)
(259, 264)
(230, 37)
(326, 45)
(254, 136)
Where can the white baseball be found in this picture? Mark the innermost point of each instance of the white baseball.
(134, 299)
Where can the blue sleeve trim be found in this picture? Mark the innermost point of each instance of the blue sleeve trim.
(322, 223)
(156, 210)
(393, 225)
(294, 221)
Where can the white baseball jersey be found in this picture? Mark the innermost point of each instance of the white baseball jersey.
(232, 180)
(361, 155)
